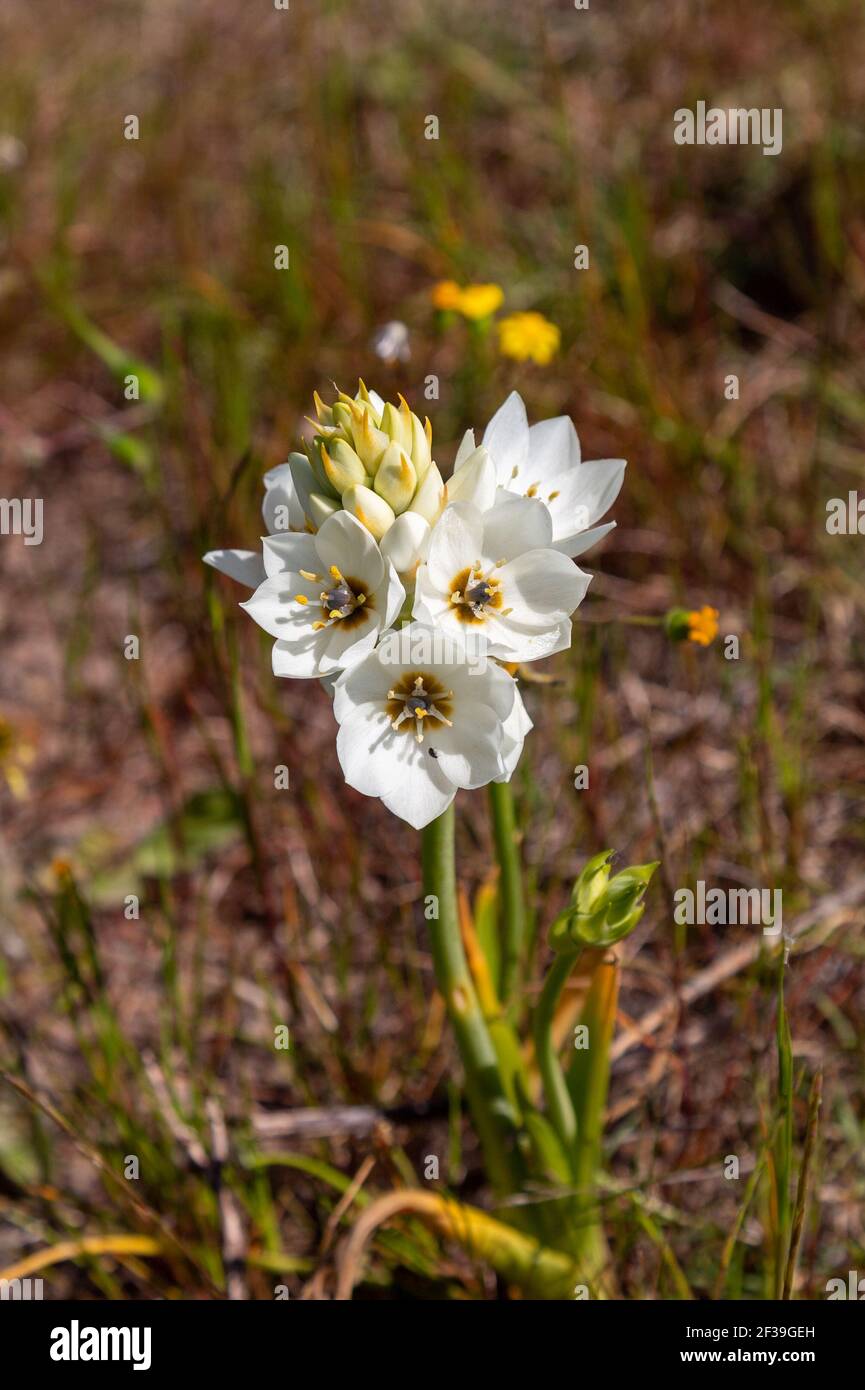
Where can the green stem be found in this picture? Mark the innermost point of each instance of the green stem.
(559, 1105)
(491, 1110)
(512, 905)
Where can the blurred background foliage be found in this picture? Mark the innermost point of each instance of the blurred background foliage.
(259, 908)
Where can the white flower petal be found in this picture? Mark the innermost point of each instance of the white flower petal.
(246, 566)
(286, 498)
(581, 541)
(406, 542)
(541, 584)
(513, 641)
(379, 761)
(422, 797)
(456, 542)
(584, 495)
(475, 482)
(429, 498)
(466, 449)
(344, 646)
(343, 542)
(275, 608)
(469, 754)
(514, 731)
(289, 550)
(554, 448)
(515, 524)
(507, 439)
(392, 595)
(301, 657)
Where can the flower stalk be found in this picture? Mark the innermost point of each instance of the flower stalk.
(559, 1104)
(512, 911)
(492, 1112)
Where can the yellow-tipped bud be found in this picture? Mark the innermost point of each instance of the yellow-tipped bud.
(323, 412)
(342, 465)
(363, 395)
(397, 425)
(421, 455)
(429, 498)
(372, 511)
(369, 441)
(320, 508)
(313, 450)
(396, 478)
(342, 416)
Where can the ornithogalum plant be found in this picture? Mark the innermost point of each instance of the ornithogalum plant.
(416, 603)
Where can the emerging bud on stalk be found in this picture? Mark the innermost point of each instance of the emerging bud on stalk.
(602, 910)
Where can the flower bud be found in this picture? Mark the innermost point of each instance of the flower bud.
(421, 450)
(313, 453)
(428, 499)
(369, 441)
(397, 425)
(371, 510)
(342, 417)
(342, 466)
(602, 910)
(396, 479)
(320, 508)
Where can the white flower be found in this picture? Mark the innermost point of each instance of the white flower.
(326, 598)
(495, 575)
(544, 461)
(414, 730)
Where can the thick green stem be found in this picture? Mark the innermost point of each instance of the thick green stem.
(559, 1105)
(491, 1110)
(512, 912)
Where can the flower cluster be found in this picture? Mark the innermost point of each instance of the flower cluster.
(408, 596)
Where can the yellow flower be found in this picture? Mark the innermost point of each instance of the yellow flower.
(15, 756)
(529, 336)
(703, 625)
(472, 301)
(446, 295)
(480, 301)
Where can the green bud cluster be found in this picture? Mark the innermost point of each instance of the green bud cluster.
(602, 909)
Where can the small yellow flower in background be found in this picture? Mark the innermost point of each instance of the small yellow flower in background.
(472, 301)
(445, 295)
(480, 301)
(15, 756)
(703, 625)
(529, 337)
